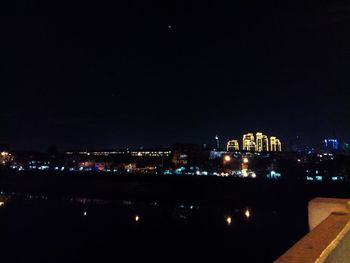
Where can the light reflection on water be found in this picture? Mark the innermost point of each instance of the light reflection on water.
(85, 223)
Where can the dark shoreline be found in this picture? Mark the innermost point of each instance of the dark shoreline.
(171, 188)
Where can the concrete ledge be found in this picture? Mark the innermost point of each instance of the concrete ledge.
(329, 239)
(320, 208)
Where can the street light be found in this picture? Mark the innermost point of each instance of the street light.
(227, 158)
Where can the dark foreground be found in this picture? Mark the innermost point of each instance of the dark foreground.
(36, 229)
(150, 219)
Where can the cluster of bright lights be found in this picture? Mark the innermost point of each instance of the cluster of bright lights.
(140, 153)
(259, 143)
(274, 175)
(151, 153)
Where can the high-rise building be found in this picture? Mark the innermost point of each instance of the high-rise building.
(248, 142)
(217, 142)
(331, 144)
(232, 145)
(262, 142)
(275, 144)
(279, 145)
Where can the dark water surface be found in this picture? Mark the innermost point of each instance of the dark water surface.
(44, 229)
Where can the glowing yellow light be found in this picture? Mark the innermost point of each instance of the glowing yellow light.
(245, 160)
(229, 220)
(247, 213)
(233, 145)
(262, 142)
(275, 144)
(4, 153)
(2, 203)
(248, 142)
(137, 218)
(227, 158)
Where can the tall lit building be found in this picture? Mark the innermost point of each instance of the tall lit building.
(331, 144)
(248, 142)
(232, 145)
(262, 142)
(275, 144)
(217, 142)
(279, 145)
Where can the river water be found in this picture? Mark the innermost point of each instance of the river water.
(45, 229)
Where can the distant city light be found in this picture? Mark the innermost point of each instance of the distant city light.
(85, 213)
(2, 204)
(227, 158)
(229, 220)
(259, 143)
(273, 175)
(137, 218)
(233, 145)
(245, 160)
(247, 213)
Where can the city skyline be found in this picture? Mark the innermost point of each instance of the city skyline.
(196, 130)
(153, 74)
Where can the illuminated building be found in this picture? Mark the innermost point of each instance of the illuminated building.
(135, 153)
(279, 145)
(275, 144)
(217, 142)
(248, 142)
(262, 142)
(232, 145)
(331, 144)
(5, 157)
(179, 159)
(150, 153)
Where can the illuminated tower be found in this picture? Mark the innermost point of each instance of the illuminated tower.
(248, 142)
(233, 145)
(265, 143)
(262, 142)
(217, 142)
(275, 144)
(258, 146)
(279, 145)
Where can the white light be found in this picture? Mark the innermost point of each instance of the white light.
(247, 213)
(227, 158)
(137, 218)
(229, 220)
(85, 213)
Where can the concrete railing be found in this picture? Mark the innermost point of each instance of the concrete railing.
(329, 238)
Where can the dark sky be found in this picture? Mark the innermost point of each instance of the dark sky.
(83, 74)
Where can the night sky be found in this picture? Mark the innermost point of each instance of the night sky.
(152, 73)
